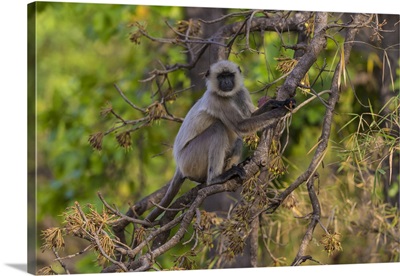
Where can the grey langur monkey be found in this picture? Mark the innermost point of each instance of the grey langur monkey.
(209, 143)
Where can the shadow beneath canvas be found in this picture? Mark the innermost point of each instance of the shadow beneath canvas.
(21, 267)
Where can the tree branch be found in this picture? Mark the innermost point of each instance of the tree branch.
(315, 216)
(326, 127)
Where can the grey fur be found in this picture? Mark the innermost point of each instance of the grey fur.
(209, 142)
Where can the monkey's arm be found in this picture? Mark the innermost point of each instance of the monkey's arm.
(263, 116)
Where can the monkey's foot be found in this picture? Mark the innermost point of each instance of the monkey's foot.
(229, 174)
(238, 171)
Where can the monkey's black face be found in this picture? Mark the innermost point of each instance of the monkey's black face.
(226, 81)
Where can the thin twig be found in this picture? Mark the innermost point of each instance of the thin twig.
(90, 246)
(168, 209)
(116, 212)
(60, 260)
(144, 120)
(226, 16)
(133, 252)
(248, 26)
(316, 214)
(127, 100)
(120, 264)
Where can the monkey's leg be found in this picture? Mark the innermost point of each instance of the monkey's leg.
(234, 155)
(219, 156)
(173, 189)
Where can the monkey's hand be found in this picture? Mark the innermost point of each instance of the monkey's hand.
(229, 174)
(271, 104)
(290, 103)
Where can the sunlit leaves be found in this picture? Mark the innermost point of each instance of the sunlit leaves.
(47, 270)
(310, 26)
(155, 111)
(331, 243)
(53, 238)
(285, 65)
(189, 27)
(124, 139)
(185, 261)
(136, 34)
(86, 223)
(251, 141)
(96, 140)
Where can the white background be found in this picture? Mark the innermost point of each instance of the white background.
(13, 127)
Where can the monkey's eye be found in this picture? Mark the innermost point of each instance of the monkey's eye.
(226, 75)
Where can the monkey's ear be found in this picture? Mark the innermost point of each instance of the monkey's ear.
(207, 73)
(240, 71)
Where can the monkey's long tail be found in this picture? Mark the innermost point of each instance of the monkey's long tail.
(173, 188)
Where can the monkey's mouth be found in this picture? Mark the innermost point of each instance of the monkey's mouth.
(226, 87)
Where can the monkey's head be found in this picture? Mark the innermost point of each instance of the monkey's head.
(224, 78)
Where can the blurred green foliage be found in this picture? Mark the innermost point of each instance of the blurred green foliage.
(83, 49)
